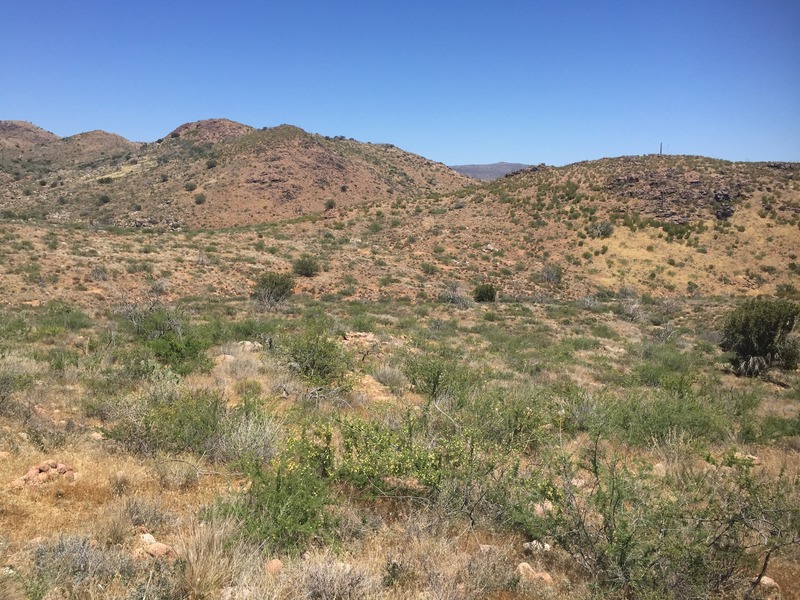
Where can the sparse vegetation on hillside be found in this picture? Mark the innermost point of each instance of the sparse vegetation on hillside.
(396, 431)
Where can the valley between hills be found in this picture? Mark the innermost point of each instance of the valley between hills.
(264, 363)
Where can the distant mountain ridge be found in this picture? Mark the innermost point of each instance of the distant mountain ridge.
(488, 171)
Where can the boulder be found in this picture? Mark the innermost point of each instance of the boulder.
(767, 589)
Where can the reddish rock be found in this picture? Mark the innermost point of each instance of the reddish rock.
(274, 566)
(159, 550)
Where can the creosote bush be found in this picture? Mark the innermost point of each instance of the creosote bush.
(286, 507)
(271, 289)
(318, 358)
(306, 266)
(485, 292)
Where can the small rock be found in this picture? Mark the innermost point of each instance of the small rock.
(536, 547)
(148, 538)
(159, 550)
(237, 593)
(274, 566)
(96, 436)
(248, 346)
(767, 589)
(659, 470)
(43, 467)
(528, 574)
(542, 508)
(747, 458)
(487, 548)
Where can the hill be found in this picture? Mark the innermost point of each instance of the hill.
(656, 224)
(213, 173)
(488, 171)
(21, 135)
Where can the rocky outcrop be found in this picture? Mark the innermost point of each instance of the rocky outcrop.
(46, 471)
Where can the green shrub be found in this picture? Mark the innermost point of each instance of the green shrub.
(318, 358)
(271, 289)
(199, 199)
(11, 381)
(756, 332)
(665, 366)
(306, 266)
(190, 186)
(436, 374)
(183, 353)
(165, 422)
(485, 292)
(287, 507)
(705, 534)
(600, 229)
(643, 419)
(61, 315)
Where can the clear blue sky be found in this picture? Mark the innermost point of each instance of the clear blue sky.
(457, 82)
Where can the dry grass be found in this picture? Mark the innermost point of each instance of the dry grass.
(210, 560)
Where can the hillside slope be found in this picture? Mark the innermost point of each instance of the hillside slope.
(660, 226)
(214, 173)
